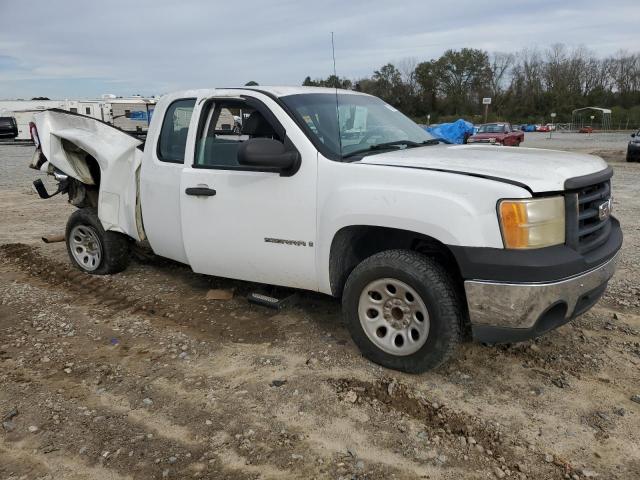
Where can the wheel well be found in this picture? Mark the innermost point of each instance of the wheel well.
(81, 194)
(353, 244)
(76, 155)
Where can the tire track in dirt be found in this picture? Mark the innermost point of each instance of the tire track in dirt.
(192, 384)
(186, 411)
(17, 457)
(451, 426)
(170, 420)
(181, 391)
(96, 431)
(114, 293)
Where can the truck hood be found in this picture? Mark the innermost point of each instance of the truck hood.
(538, 169)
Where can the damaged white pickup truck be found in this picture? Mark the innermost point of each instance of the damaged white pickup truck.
(338, 192)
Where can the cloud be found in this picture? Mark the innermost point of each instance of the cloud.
(150, 47)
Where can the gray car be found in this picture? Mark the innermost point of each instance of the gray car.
(633, 149)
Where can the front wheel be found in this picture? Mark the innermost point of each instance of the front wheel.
(91, 248)
(402, 311)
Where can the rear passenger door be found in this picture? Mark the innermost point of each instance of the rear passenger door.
(160, 176)
(249, 224)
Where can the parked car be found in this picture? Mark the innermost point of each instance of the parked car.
(586, 129)
(423, 241)
(633, 149)
(8, 128)
(497, 133)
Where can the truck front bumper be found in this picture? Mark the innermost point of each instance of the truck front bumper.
(513, 312)
(516, 295)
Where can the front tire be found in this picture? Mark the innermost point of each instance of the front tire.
(91, 248)
(402, 311)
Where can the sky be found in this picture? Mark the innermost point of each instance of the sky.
(83, 49)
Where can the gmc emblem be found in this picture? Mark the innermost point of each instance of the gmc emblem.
(604, 210)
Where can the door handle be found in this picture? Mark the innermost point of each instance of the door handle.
(200, 191)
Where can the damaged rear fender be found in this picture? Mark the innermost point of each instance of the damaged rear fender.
(70, 142)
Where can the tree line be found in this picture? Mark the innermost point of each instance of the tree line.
(525, 87)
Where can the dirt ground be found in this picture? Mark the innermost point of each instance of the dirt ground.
(137, 375)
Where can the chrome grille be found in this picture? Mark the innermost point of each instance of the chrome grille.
(586, 230)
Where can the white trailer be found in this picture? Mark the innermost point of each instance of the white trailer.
(131, 114)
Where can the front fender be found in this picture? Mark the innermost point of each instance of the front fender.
(453, 208)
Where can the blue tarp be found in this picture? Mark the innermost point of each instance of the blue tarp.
(137, 115)
(452, 132)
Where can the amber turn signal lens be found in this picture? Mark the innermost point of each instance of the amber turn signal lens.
(532, 223)
(514, 217)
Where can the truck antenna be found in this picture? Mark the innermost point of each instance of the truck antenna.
(335, 79)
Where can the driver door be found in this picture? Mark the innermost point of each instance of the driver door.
(240, 222)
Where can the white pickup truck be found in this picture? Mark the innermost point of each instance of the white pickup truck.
(426, 243)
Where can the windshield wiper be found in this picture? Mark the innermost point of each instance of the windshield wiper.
(394, 144)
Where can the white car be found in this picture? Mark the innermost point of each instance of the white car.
(427, 244)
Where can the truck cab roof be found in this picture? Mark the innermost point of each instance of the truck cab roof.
(276, 91)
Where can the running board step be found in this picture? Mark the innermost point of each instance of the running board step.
(271, 302)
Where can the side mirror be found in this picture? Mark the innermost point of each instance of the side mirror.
(269, 154)
(633, 135)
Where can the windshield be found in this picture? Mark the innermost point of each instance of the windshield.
(365, 122)
(492, 128)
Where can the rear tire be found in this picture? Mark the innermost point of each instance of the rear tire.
(401, 293)
(91, 248)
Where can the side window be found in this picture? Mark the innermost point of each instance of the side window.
(227, 124)
(173, 134)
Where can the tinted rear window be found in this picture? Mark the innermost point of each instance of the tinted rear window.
(173, 134)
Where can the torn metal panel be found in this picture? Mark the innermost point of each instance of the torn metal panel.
(70, 142)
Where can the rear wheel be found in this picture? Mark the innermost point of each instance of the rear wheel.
(91, 248)
(402, 311)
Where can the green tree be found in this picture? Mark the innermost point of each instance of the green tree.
(463, 77)
(332, 82)
(427, 80)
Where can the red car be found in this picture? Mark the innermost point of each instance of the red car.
(497, 133)
(587, 129)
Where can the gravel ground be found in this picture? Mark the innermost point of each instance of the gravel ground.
(138, 375)
(577, 141)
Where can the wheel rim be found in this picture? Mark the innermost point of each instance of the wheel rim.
(394, 316)
(85, 247)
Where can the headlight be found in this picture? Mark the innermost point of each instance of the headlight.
(533, 222)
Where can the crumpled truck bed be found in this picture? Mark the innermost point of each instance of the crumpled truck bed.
(67, 138)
